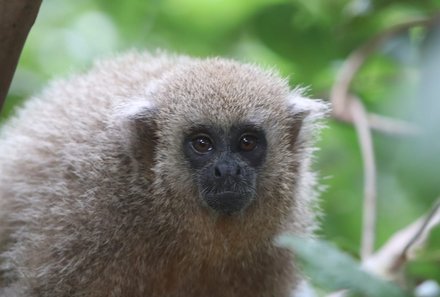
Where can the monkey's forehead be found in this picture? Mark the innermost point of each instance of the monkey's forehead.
(222, 91)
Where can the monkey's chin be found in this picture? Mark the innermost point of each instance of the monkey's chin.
(228, 202)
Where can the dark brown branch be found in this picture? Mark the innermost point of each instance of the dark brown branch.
(16, 20)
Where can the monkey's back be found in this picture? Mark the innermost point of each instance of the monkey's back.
(51, 153)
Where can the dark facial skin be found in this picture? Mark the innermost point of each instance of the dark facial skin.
(226, 164)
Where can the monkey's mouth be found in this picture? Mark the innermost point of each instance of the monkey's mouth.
(228, 202)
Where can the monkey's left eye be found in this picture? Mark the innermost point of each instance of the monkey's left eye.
(202, 144)
(248, 142)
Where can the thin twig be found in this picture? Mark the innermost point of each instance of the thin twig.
(392, 126)
(423, 227)
(390, 258)
(369, 206)
(339, 94)
(432, 219)
(387, 261)
(341, 293)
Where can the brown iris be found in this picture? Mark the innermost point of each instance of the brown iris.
(248, 142)
(202, 144)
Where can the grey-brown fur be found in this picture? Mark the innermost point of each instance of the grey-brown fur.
(96, 198)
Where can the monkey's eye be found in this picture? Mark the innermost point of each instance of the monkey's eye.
(202, 144)
(248, 142)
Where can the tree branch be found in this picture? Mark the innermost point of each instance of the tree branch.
(348, 108)
(339, 95)
(369, 208)
(390, 258)
(16, 20)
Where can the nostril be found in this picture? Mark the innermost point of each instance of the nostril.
(217, 172)
(238, 171)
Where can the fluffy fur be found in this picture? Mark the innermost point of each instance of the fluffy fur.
(97, 200)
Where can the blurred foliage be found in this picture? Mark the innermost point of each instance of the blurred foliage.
(335, 271)
(307, 40)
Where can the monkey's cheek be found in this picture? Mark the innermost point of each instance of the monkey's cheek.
(228, 202)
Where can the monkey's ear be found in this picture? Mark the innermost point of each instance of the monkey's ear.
(136, 110)
(139, 115)
(302, 107)
(138, 118)
(305, 112)
(141, 110)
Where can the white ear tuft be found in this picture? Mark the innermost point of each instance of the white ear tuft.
(314, 108)
(307, 115)
(141, 107)
(136, 109)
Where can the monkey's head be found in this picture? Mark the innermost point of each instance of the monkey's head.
(229, 139)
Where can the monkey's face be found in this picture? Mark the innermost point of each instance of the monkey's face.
(227, 140)
(226, 164)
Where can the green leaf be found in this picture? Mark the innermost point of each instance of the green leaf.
(334, 270)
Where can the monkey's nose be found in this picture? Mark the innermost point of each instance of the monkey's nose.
(224, 169)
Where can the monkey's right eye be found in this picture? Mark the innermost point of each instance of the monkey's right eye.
(202, 144)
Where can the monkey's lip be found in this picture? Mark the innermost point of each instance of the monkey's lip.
(229, 195)
(228, 202)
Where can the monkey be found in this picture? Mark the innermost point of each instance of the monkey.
(154, 174)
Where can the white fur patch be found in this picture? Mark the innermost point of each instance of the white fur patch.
(139, 106)
(134, 109)
(300, 104)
